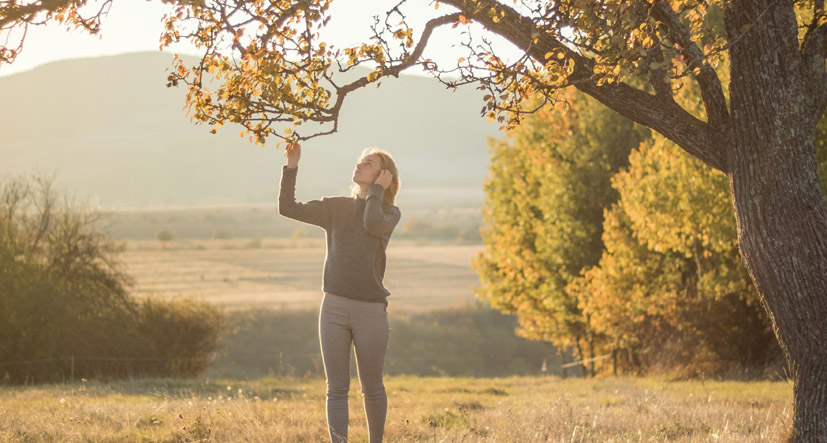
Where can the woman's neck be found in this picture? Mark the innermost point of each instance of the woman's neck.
(363, 191)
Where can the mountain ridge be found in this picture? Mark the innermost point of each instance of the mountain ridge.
(113, 132)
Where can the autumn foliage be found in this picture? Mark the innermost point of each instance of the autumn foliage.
(606, 239)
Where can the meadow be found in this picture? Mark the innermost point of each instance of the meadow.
(274, 283)
(271, 294)
(286, 273)
(421, 409)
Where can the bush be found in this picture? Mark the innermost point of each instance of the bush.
(64, 307)
(164, 235)
(178, 335)
(222, 234)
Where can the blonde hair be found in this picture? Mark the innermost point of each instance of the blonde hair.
(387, 162)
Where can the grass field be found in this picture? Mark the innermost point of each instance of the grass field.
(287, 273)
(517, 409)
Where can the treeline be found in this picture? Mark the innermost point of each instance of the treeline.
(610, 241)
(473, 340)
(64, 307)
(423, 230)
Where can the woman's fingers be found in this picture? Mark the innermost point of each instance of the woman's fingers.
(294, 154)
(384, 179)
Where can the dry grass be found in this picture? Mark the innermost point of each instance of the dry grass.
(287, 273)
(283, 275)
(518, 409)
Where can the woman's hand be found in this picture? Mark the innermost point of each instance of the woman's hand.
(384, 179)
(293, 152)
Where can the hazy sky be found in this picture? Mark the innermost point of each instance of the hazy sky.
(136, 25)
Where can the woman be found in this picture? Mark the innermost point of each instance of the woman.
(354, 308)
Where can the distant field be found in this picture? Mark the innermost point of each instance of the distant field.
(287, 273)
(445, 409)
(262, 220)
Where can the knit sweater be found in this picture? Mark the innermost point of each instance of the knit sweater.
(357, 231)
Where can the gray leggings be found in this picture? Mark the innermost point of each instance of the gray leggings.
(344, 322)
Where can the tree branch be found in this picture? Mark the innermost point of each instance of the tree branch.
(658, 77)
(11, 14)
(394, 71)
(711, 91)
(664, 116)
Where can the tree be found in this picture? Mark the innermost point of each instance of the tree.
(274, 69)
(64, 295)
(164, 235)
(222, 234)
(550, 184)
(671, 265)
(668, 258)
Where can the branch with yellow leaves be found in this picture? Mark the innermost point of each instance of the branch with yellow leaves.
(279, 74)
(712, 92)
(663, 115)
(15, 18)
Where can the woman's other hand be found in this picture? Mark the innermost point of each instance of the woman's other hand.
(294, 154)
(384, 178)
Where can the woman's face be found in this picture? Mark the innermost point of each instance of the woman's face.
(367, 169)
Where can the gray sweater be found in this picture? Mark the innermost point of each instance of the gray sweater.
(357, 235)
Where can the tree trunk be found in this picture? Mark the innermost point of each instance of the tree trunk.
(781, 214)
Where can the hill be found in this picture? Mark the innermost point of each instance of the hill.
(111, 131)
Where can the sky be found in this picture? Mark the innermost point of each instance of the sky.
(136, 25)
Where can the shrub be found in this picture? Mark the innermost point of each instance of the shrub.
(222, 234)
(64, 306)
(178, 335)
(164, 235)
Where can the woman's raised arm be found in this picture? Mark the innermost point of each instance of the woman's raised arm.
(315, 212)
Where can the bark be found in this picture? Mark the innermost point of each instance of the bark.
(781, 214)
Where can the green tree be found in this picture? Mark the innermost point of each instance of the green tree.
(164, 235)
(275, 69)
(685, 305)
(222, 233)
(550, 183)
(670, 291)
(64, 299)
